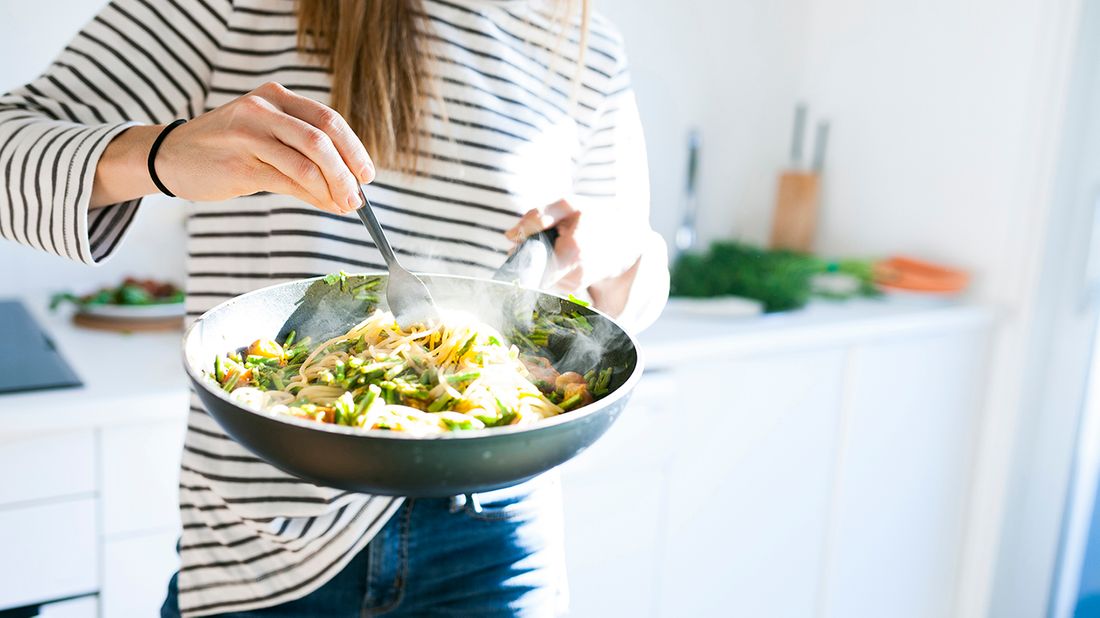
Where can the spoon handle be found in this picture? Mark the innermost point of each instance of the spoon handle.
(366, 213)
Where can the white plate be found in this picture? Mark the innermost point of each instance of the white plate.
(718, 306)
(135, 312)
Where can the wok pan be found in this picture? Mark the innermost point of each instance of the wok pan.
(393, 463)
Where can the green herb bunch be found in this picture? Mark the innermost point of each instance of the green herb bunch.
(782, 280)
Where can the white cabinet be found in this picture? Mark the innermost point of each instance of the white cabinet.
(141, 477)
(48, 517)
(49, 551)
(140, 515)
(614, 494)
(753, 444)
(90, 511)
(50, 465)
(902, 482)
(136, 572)
(807, 478)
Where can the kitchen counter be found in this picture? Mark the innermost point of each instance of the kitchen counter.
(879, 399)
(139, 377)
(679, 334)
(127, 378)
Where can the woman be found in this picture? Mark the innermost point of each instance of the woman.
(476, 123)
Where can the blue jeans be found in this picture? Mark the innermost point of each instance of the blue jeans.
(499, 554)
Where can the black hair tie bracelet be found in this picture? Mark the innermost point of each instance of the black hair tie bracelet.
(153, 156)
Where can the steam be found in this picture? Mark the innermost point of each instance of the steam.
(510, 305)
(581, 344)
(510, 308)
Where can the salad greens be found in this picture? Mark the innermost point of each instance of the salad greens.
(132, 292)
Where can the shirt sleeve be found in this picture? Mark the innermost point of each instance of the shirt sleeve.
(137, 62)
(612, 172)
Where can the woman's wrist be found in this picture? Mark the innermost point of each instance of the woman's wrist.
(638, 296)
(122, 173)
(611, 295)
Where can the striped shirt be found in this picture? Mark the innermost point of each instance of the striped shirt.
(505, 135)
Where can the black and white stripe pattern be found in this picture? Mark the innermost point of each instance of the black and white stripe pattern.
(505, 136)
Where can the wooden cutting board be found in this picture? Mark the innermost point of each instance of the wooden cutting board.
(128, 325)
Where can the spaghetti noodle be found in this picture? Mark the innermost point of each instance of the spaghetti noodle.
(455, 374)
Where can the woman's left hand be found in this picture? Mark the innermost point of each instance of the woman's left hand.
(594, 245)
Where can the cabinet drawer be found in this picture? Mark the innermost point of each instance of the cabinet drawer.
(136, 570)
(49, 552)
(47, 466)
(141, 477)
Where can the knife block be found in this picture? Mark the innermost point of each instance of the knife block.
(795, 220)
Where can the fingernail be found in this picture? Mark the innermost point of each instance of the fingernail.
(368, 172)
(354, 203)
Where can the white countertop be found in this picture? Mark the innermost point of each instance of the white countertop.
(127, 378)
(680, 334)
(139, 377)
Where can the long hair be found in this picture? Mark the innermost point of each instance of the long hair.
(377, 55)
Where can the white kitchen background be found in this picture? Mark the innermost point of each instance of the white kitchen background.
(947, 124)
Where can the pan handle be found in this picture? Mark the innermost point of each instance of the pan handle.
(531, 260)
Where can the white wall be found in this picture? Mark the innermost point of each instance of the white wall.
(930, 103)
(732, 69)
(946, 119)
(31, 35)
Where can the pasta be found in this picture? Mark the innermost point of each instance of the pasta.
(455, 374)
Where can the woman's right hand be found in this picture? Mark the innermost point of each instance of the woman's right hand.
(270, 139)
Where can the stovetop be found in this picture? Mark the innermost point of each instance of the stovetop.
(28, 359)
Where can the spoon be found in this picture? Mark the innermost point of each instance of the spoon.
(408, 297)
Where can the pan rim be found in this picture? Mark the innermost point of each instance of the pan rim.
(624, 390)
